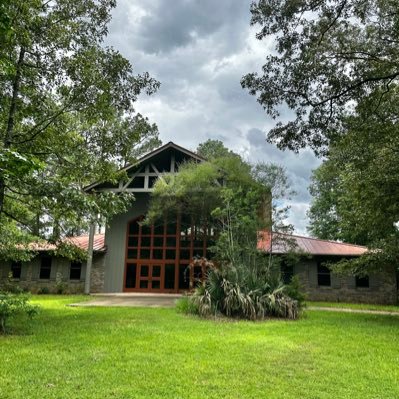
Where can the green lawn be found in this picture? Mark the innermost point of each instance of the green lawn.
(157, 353)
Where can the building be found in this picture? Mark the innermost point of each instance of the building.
(132, 257)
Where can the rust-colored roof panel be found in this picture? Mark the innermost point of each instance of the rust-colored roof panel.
(312, 246)
(83, 242)
(80, 241)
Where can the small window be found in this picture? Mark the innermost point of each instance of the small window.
(76, 270)
(323, 275)
(362, 281)
(45, 268)
(16, 269)
(287, 272)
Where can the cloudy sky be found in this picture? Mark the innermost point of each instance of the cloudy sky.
(199, 50)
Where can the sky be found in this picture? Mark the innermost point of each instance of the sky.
(199, 50)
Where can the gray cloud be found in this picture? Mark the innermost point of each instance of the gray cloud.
(199, 51)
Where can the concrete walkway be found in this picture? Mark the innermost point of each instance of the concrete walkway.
(168, 300)
(350, 310)
(131, 300)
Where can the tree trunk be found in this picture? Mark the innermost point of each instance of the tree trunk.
(11, 118)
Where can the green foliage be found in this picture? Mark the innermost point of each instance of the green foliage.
(328, 55)
(13, 304)
(242, 292)
(60, 287)
(213, 149)
(67, 117)
(295, 291)
(356, 189)
(234, 199)
(187, 306)
(189, 191)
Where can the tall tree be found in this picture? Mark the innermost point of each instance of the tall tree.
(356, 189)
(212, 149)
(229, 187)
(328, 55)
(67, 115)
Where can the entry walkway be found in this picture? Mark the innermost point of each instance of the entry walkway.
(351, 310)
(131, 300)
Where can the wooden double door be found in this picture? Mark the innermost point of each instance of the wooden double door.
(155, 277)
(149, 276)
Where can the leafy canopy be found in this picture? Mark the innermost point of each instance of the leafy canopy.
(356, 189)
(328, 55)
(230, 195)
(67, 117)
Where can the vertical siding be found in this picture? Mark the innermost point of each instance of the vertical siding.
(115, 240)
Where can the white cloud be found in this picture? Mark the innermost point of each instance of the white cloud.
(199, 51)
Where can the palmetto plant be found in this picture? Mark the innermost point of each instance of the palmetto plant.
(234, 292)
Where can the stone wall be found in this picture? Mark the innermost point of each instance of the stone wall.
(97, 274)
(382, 286)
(59, 281)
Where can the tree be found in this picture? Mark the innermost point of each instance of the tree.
(323, 215)
(67, 117)
(356, 190)
(328, 55)
(212, 149)
(231, 198)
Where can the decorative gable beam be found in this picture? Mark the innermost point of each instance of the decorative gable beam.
(129, 181)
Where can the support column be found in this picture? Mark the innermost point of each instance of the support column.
(89, 258)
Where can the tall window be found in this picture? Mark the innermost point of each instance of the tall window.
(323, 275)
(362, 281)
(16, 268)
(45, 267)
(287, 272)
(171, 244)
(75, 271)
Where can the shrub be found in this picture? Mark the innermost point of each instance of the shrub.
(295, 290)
(10, 285)
(186, 306)
(43, 291)
(61, 288)
(12, 304)
(236, 292)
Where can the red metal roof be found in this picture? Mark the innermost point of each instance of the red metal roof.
(83, 242)
(80, 241)
(281, 244)
(313, 246)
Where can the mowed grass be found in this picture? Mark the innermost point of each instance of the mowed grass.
(157, 353)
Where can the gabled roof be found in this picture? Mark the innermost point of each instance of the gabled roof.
(152, 154)
(308, 245)
(81, 242)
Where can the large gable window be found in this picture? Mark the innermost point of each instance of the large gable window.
(323, 275)
(158, 256)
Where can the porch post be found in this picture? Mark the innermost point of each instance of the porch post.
(89, 258)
